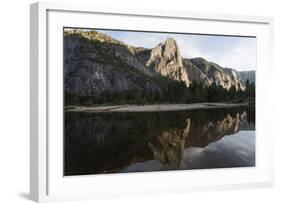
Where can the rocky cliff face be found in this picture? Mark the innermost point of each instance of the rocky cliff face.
(224, 77)
(166, 60)
(195, 74)
(95, 63)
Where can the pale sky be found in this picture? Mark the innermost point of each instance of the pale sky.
(228, 51)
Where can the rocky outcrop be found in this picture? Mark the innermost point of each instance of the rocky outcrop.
(166, 60)
(95, 63)
(224, 77)
(195, 74)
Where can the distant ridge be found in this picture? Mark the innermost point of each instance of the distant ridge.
(250, 75)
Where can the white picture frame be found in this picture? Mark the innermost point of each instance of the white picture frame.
(47, 182)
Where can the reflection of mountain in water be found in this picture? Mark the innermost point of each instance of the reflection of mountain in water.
(112, 142)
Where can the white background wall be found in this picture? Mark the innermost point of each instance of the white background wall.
(14, 101)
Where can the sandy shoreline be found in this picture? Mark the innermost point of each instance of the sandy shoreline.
(153, 108)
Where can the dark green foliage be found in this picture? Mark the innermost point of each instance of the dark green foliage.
(171, 92)
(250, 92)
(70, 99)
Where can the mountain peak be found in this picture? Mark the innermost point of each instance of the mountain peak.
(166, 60)
(170, 41)
(170, 50)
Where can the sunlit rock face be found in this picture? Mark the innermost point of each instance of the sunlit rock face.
(95, 63)
(166, 59)
(224, 77)
(195, 74)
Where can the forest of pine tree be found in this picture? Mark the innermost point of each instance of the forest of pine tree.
(174, 92)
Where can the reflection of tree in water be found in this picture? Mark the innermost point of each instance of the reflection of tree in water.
(110, 142)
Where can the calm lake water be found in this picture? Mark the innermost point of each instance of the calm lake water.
(98, 143)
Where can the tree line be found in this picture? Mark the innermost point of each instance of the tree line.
(174, 92)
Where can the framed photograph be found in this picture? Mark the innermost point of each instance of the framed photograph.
(127, 102)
